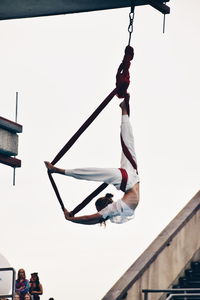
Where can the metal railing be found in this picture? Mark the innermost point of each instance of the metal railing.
(13, 282)
(194, 296)
(174, 293)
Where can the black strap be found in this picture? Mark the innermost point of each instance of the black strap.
(70, 143)
(88, 199)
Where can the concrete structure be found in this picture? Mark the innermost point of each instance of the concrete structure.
(165, 259)
(10, 9)
(7, 279)
(9, 142)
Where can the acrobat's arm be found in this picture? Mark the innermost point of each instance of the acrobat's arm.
(85, 220)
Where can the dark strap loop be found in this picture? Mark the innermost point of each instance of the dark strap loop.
(56, 190)
(122, 83)
(70, 143)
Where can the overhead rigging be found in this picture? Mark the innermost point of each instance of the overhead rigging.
(122, 84)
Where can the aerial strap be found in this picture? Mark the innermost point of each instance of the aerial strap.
(85, 125)
(122, 83)
(72, 140)
(88, 199)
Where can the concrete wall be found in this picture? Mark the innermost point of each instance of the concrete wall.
(163, 261)
(8, 142)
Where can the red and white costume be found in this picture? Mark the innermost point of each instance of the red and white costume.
(118, 211)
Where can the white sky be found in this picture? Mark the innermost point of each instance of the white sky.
(63, 67)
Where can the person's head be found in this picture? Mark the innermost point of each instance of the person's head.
(51, 298)
(21, 274)
(16, 297)
(35, 278)
(27, 296)
(103, 201)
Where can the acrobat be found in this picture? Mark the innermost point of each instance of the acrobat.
(119, 211)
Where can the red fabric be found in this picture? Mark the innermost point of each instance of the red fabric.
(123, 76)
(124, 180)
(128, 154)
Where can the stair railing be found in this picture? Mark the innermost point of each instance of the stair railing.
(179, 292)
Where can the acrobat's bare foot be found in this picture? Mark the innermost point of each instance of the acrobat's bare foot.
(124, 108)
(49, 166)
(66, 213)
(125, 102)
(123, 105)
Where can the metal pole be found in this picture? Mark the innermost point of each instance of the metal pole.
(164, 19)
(16, 107)
(16, 113)
(13, 284)
(145, 296)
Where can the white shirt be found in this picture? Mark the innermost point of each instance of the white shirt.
(118, 212)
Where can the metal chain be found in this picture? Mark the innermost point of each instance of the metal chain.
(131, 18)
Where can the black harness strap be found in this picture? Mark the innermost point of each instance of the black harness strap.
(88, 199)
(56, 190)
(70, 143)
(85, 125)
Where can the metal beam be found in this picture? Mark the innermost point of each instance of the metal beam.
(10, 125)
(160, 6)
(10, 9)
(10, 161)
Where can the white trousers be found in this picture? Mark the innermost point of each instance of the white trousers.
(112, 175)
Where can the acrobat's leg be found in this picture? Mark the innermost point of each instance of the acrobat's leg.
(107, 175)
(127, 140)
